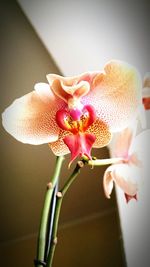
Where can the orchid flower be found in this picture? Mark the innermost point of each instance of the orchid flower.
(131, 152)
(74, 114)
(146, 91)
(143, 114)
(129, 165)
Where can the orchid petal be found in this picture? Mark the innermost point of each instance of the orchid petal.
(57, 89)
(70, 81)
(127, 178)
(115, 94)
(141, 147)
(67, 87)
(123, 143)
(44, 92)
(130, 147)
(124, 140)
(31, 118)
(101, 132)
(142, 116)
(80, 89)
(59, 148)
(108, 181)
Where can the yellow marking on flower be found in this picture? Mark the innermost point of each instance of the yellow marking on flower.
(77, 125)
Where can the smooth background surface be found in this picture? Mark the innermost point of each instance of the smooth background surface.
(84, 34)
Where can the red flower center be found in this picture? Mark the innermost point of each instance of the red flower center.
(77, 122)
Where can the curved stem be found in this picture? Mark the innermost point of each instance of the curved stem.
(60, 195)
(45, 212)
(59, 199)
(102, 162)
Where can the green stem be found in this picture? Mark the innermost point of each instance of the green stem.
(45, 212)
(102, 162)
(59, 199)
(60, 196)
(51, 221)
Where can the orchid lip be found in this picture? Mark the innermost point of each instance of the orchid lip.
(128, 197)
(79, 144)
(77, 121)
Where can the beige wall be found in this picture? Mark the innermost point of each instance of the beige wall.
(24, 61)
(25, 170)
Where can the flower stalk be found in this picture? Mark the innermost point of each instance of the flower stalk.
(47, 238)
(59, 198)
(51, 220)
(102, 162)
(41, 244)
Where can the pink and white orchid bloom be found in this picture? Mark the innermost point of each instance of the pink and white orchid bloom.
(146, 91)
(132, 156)
(74, 114)
(144, 109)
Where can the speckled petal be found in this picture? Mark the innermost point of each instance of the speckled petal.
(115, 94)
(59, 148)
(101, 132)
(31, 118)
